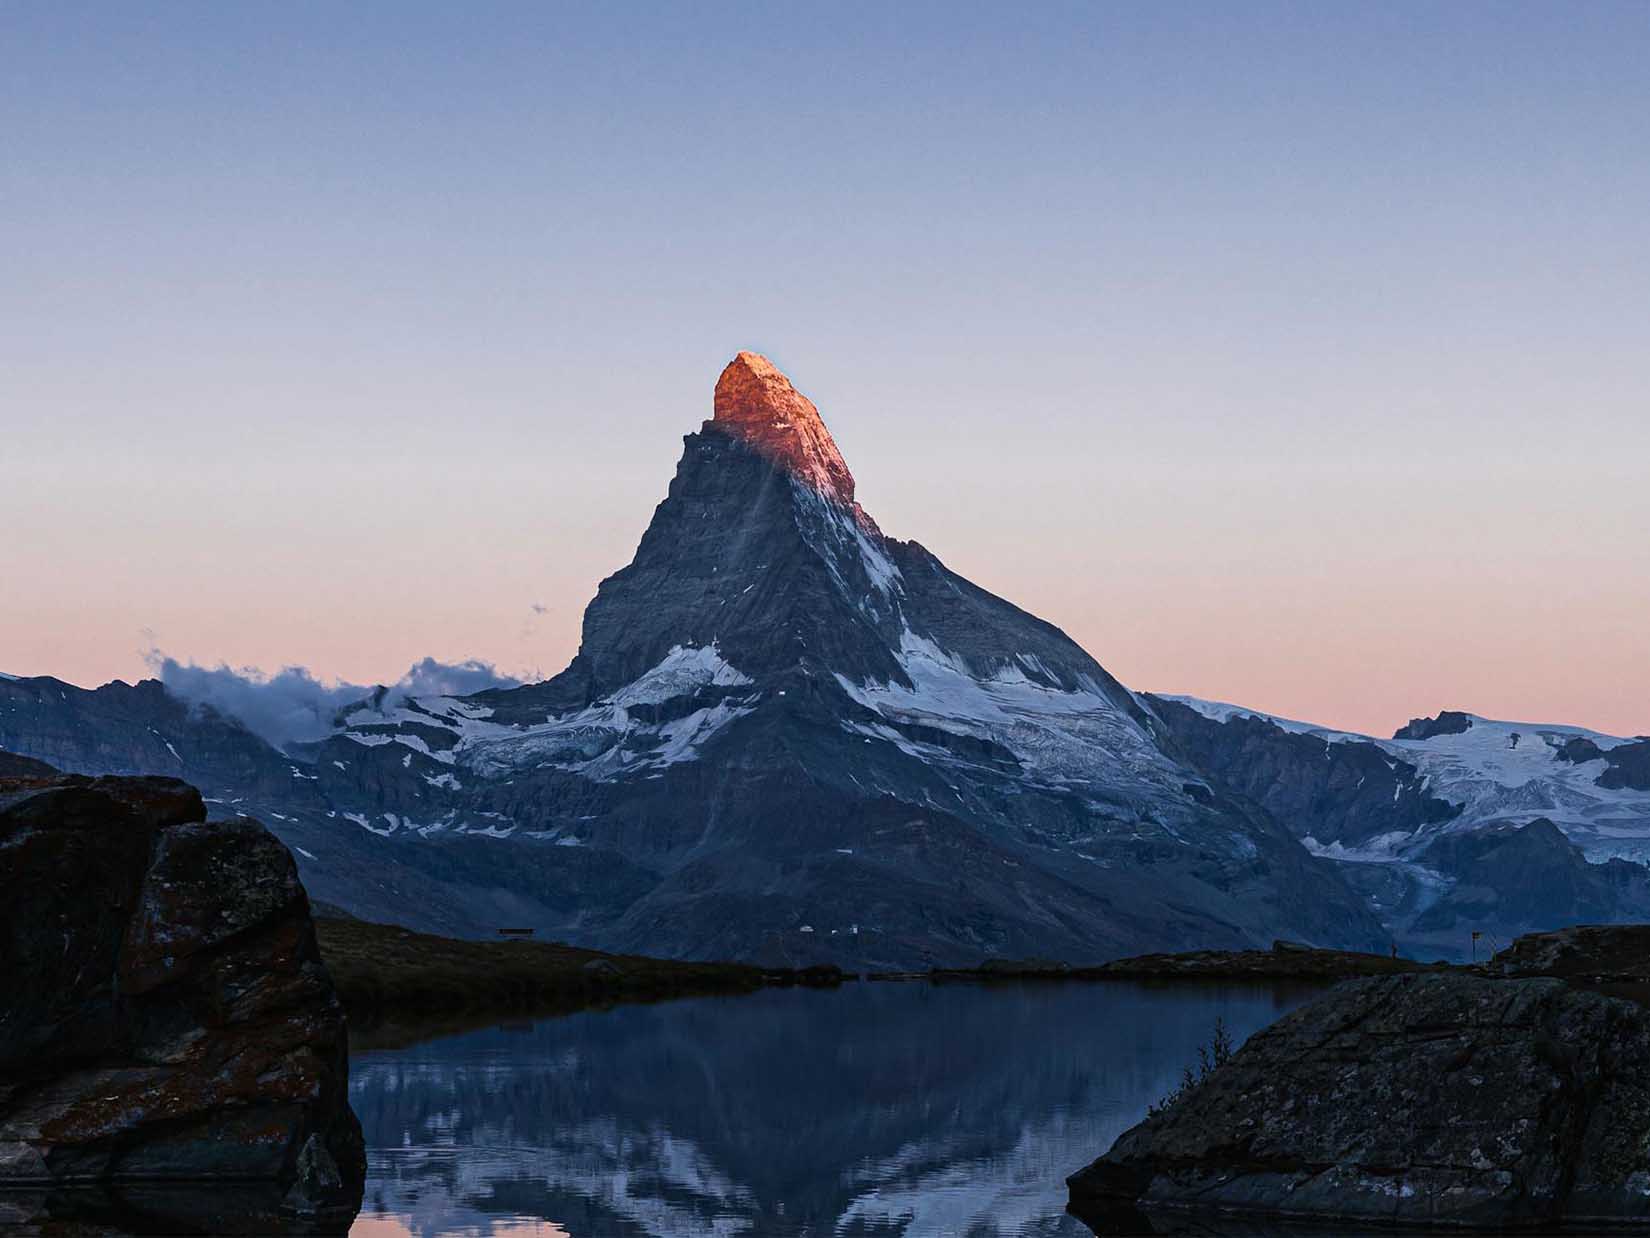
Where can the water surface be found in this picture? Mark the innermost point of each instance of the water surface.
(877, 1108)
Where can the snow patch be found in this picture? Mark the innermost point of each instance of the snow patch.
(602, 741)
(1494, 779)
(1064, 737)
(361, 821)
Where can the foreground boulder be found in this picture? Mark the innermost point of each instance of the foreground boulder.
(1415, 1099)
(166, 1017)
(1585, 953)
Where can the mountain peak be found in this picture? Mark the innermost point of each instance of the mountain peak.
(756, 402)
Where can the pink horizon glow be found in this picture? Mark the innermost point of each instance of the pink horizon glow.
(1288, 355)
(1194, 581)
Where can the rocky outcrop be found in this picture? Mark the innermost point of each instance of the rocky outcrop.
(141, 728)
(14, 766)
(1346, 792)
(167, 1017)
(1448, 722)
(1420, 1099)
(1584, 952)
(1511, 879)
(1626, 766)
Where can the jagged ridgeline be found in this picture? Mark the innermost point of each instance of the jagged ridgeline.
(786, 736)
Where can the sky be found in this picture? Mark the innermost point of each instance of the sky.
(1287, 354)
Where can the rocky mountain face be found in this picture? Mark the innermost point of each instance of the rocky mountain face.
(1477, 1102)
(785, 736)
(1458, 824)
(444, 882)
(168, 1018)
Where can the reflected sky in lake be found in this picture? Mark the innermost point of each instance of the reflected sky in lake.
(908, 1109)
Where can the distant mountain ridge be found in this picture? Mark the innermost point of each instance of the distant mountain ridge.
(1457, 824)
(786, 736)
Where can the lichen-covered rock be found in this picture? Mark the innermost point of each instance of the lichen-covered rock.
(1421, 1099)
(166, 1015)
(1584, 952)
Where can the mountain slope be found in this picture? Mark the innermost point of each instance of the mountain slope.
(1457, 823)
(787, 736)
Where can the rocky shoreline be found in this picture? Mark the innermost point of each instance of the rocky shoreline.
(1508, 1096)
(170, 1029)
(384, 972)
(174, 1046)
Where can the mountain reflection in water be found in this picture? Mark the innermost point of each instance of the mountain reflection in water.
(879, 1108)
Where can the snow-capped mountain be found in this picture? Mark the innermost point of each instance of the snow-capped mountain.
(1410, 817)
(785, 735)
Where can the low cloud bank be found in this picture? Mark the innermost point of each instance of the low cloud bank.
(292, 705)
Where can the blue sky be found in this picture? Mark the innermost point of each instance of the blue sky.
(1287, 353)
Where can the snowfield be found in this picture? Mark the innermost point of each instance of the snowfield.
(1498, 772)
(1060, 737)
(601, 742)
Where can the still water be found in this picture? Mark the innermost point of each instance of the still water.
(877, 1108)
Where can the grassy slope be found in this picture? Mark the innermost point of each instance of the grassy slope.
(381, 968)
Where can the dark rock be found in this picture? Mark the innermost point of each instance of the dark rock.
(1585, 951)
(168, 1016)
(14, 766)
(1346, 792)
(1627, 766)
(1448, 722)
(1512, 879)
(318, 1182)
(1284, 961)
(1447, 875)
(1423, 1099)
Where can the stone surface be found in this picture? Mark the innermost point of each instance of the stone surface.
(1511, 879)
(1347, 793)
(14, 766)
(1582, 952)
(1424, 1099)
(1448, 722)
(168, 1018)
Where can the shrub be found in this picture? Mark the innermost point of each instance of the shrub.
(1210, 1058)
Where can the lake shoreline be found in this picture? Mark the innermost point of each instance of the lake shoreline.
(383, 973)
(389, 977)
(1506, 1094)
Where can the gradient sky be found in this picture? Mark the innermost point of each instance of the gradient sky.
(1290, 354)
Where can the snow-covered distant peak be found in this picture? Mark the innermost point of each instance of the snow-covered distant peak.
(1223, 711)
(1495, 732)
(1481, 734)
(1498, 771)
